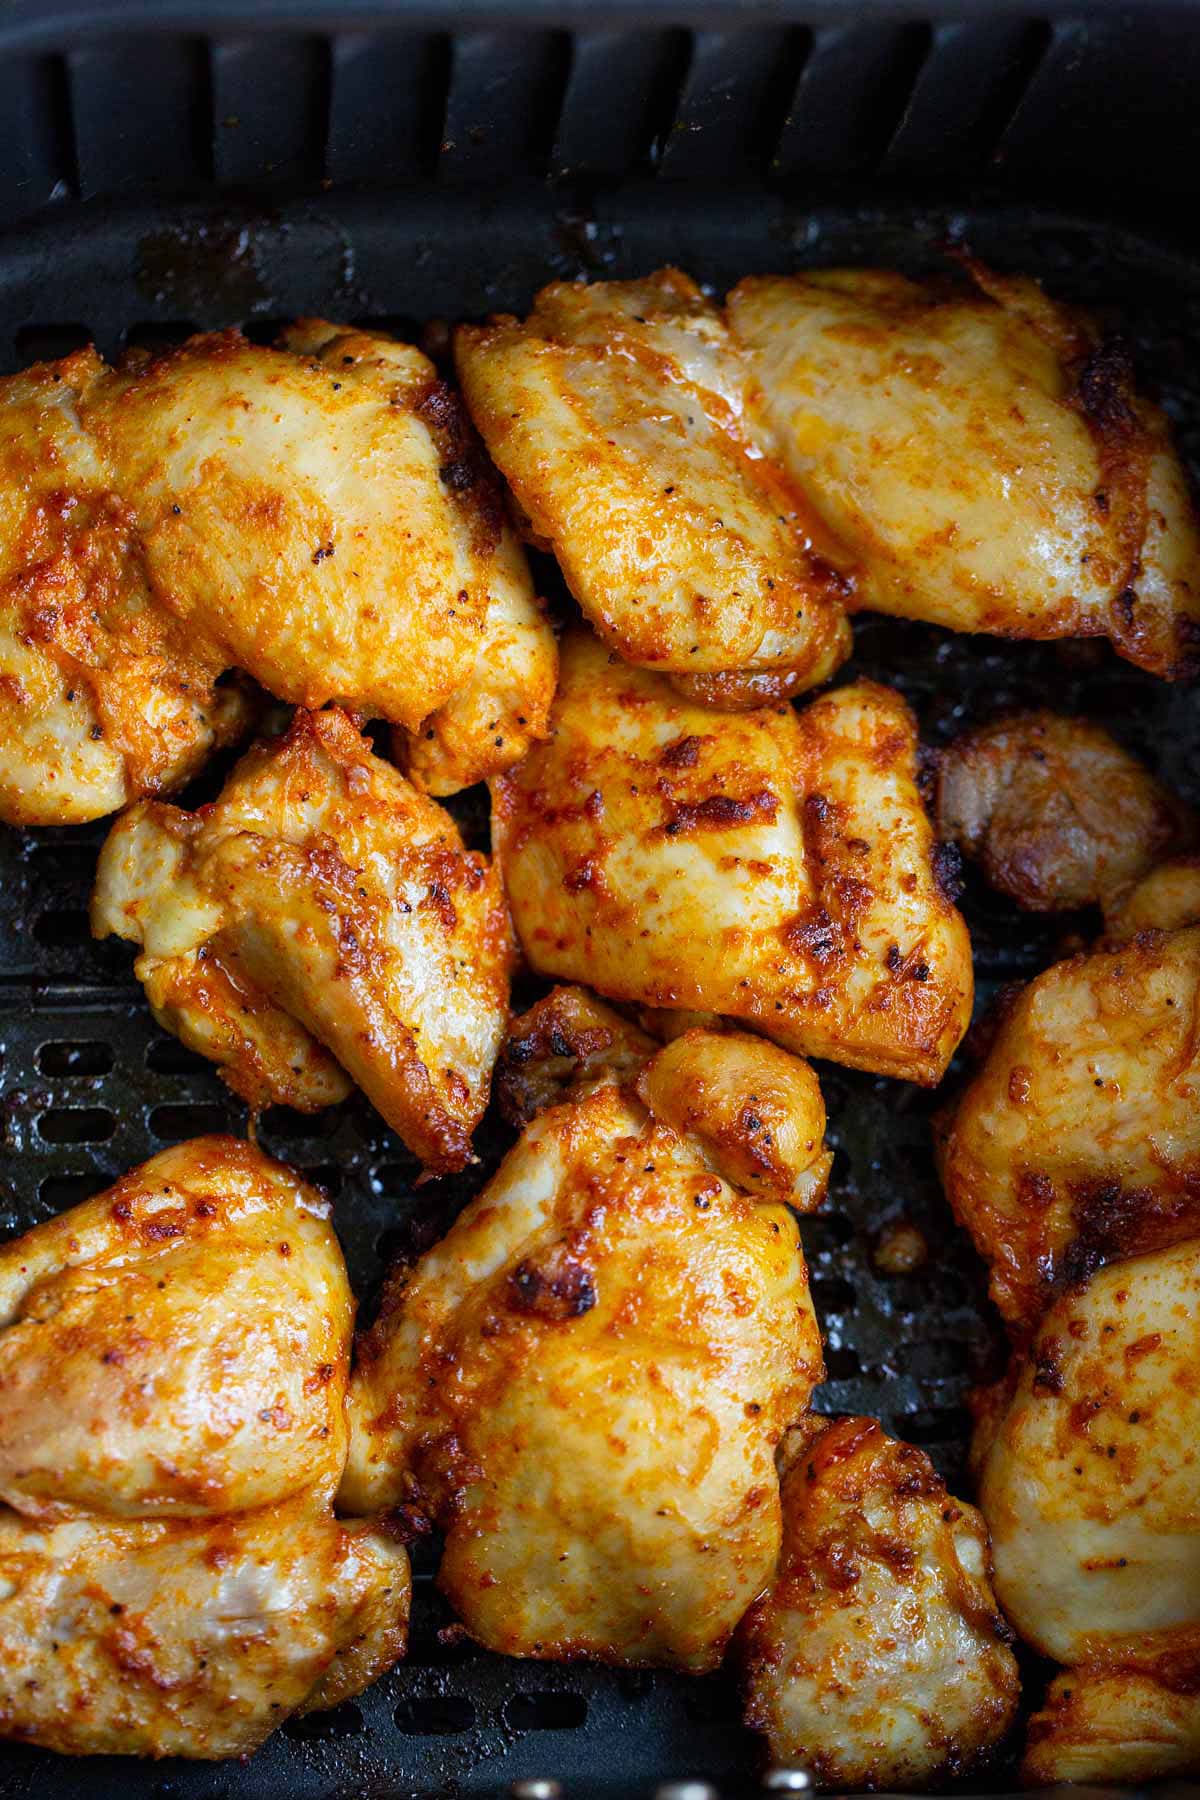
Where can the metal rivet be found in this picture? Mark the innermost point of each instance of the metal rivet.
(686, 1790)
(787, 1781)
(537, 1789)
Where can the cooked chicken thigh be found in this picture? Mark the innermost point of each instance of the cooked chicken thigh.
(774, 866)
(173, 1364)
(1078, 1139)
(584, 1384)
(1166, 899)
(320, 515)
(103, 696)
(877, 1658)
(1059, 815)
(617, 411)
(983, 455)
(1089, 1479)
(321, 921)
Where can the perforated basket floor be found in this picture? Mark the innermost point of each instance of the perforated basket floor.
(90, 1086)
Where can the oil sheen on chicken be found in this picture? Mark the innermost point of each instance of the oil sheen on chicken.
(983, 455)
(617, 411)
(1089, 1478)
(320, 923)
(878, 1658)
(585, 1383)
(776, 866)
(319, 515)
(173, 1365)
(1078, 1139)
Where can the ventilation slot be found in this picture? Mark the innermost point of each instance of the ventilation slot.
(47, 343)
(964, 95)
(62, 928)
(621, 98)
(76, 1125)
(158, 334)
(435, 1715)
(850, 99)
(546, 1712)
(167, 1056)
(734, 104)
(142, 115)
(345, 1721)
(297, 1127)
(174, 1122)
(75, 1059)
(1108, 89)
(57, 1193)
(37, 144)
(941, 1426)
(387, 106)
(506, 97)
(270, 110)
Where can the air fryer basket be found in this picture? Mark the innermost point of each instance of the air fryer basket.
(171, 167)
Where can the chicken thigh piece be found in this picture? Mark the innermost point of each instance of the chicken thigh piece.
(103, 696)
(321, 921)
(877, 1658)
(320, 514)
(1057, 813)
(776, 866)
(1078, 1139)
(983, 455)
(617, 412)
(173, 1365)
(1166, 899)
(1089, 1478)
(585, 1383)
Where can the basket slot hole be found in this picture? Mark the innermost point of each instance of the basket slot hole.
(47, 343)
(266, 330)
(715, 1703)
(395, 1178)
(68, 1058)
(842, 1363)
(61, 1192)
(65, 926)
(167, 1056)
(56, 861)
(546, 1712)
(326, 1176)
(76, 1125)
(185, 1119)
(344, 1721)
(942, 1425)
(292, 1126)
(832, 1295)
(435, 1715)
(159, 334)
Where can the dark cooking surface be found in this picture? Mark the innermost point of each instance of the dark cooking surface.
(89, 1086)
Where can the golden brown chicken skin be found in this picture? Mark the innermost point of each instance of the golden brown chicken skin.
(1078, 1139)
(173, 1365)
(1057, 813)
(321, 923)
(877, 1658)
(103, 696)
(319, 514)
(984, 456)
(584, 1385)
(617, 412)
(1166, 899)
(776, 866)
(1089, 1479)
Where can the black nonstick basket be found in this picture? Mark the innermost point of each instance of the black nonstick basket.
(175, 166)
